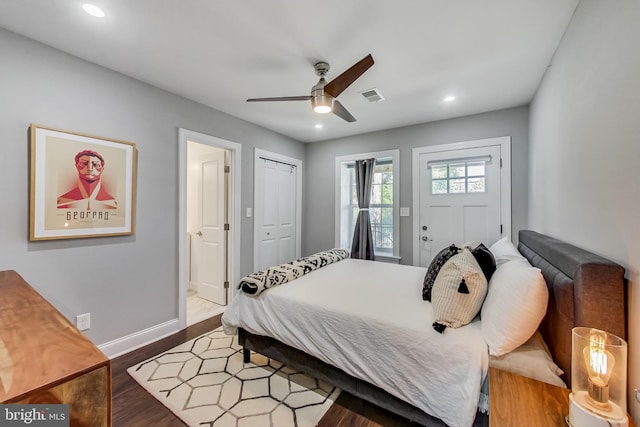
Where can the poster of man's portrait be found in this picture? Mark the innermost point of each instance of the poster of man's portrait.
(81, 185)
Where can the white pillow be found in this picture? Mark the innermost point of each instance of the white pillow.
(516, 303)
(531, 359)
(503, 250)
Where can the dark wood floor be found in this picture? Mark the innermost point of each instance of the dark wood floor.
(134, 407)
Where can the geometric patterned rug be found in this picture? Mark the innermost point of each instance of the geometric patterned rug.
(205, 383)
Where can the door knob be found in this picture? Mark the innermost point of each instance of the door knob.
(199, 233)
(426, 239)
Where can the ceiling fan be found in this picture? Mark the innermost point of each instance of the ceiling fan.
(323, 95)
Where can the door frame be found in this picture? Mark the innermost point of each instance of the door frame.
(234, 199)
(258, 154)
(505, 181)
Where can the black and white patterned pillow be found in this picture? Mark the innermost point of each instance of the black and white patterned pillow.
(321, 259)
(255, 283)
(434, 268)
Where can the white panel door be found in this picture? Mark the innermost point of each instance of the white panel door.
(456, 209)
(286, 212)
(266, 214)
(275, 198)
(211, 237)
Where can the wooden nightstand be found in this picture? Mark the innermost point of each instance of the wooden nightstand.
(515, 400)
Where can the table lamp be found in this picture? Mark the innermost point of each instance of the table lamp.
(598, 379)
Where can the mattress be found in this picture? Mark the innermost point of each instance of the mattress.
(368, 319)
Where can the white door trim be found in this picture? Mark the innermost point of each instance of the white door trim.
(235, 162)
(505, 182)
(259, 153)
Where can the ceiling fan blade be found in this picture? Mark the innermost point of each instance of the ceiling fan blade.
(281, 98)
(340, 111)
(340, 83)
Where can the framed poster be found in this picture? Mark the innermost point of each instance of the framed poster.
(80, 185)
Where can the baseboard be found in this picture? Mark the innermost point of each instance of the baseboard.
(120, 346)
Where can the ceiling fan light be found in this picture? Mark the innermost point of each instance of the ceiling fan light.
(322, 109)
(322, 104)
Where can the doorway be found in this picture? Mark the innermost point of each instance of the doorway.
(206, 227)
(209, 221)
(461, 194)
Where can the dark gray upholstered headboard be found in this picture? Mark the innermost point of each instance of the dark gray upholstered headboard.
(584, 290)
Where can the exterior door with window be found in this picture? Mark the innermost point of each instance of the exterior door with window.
(459, 194)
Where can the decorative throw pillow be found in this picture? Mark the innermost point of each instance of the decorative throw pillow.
(458, 291)
(255, 283)
(515, 305)
(321, 259)
(485, 258)
(436, 264)
(503, 250)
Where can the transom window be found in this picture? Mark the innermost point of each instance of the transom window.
(458, 177)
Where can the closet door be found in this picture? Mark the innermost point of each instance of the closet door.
(275, 213)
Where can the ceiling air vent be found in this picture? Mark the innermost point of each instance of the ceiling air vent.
(372, 95)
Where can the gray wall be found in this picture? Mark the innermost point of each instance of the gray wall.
(320, 213)
(127, 283)
(585, 146)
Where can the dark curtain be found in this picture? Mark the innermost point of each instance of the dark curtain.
(362, 246)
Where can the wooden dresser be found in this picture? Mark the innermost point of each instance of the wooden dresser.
(46, 359)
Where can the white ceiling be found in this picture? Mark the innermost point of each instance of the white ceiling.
(490, 54)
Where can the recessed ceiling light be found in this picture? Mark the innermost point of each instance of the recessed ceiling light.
(93, 10)
(449, 98)
(318, 126)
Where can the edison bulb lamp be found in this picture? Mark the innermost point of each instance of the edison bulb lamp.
(598, 379)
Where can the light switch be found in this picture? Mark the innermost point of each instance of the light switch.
(404, 211)
(248, 212)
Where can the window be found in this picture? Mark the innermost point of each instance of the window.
(383, 208)
(458, 177)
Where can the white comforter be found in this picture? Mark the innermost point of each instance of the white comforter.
(368, 319)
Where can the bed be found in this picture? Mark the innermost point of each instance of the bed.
(584, 290)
